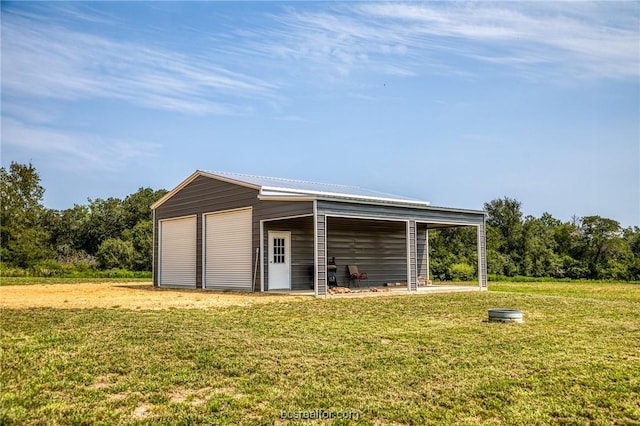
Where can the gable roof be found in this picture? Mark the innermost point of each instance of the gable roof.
(291, 189)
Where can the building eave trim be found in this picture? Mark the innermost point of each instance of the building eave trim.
(193, 177)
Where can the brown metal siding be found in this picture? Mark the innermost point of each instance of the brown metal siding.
(264, 210)
(377, 247)
(207, 195)
(301, 250)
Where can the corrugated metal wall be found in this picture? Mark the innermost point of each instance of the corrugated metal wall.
(301, 250)
(482, 257)
(377, 247)
(321, 245)
(413, 268)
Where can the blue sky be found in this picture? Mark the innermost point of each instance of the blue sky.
(455, 103)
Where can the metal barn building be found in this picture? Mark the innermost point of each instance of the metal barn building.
(226, 231)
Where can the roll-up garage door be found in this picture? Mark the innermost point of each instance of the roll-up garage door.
(227, 259)
(178, 252)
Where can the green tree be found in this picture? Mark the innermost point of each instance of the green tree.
(603, 245)
(106, 219)
(569, 247)
(504, 234)
(137, 206)
(539, 247)
(632, 238)
(449, 249)
(497, 262)
(141, 238)
(68, 228)
(23, 238)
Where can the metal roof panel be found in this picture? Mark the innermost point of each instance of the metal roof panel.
(280, 186)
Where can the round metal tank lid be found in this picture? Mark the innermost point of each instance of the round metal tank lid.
(505, 315)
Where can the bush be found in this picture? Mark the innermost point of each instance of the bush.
(116, 254)
(78, 261)
(462, 271)
(47, 268)
(11, 271)
(79, 270)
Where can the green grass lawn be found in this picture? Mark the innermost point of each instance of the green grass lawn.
(6, 281)
(420, 359)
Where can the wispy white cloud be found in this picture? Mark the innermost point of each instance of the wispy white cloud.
(593, 41)
(52, 61)
(74, 151)
(599, 42)
(243, 65)
(29, 113)
(334, 43)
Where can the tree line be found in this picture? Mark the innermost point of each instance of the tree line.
(113, 233)
(103, 234)
(590, 247)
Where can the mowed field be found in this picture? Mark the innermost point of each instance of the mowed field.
(190, 357)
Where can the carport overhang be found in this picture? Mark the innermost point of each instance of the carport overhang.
(412, 214)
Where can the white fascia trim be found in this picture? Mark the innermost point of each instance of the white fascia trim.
(366, 201)
(284, 197)
(266, 190)
(446, 222)
(173, 192)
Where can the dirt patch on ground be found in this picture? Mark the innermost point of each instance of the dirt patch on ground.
(126, 296)
(142, 411)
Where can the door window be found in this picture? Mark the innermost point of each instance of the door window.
(278, 250)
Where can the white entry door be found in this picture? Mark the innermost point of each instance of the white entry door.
(279, 260)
